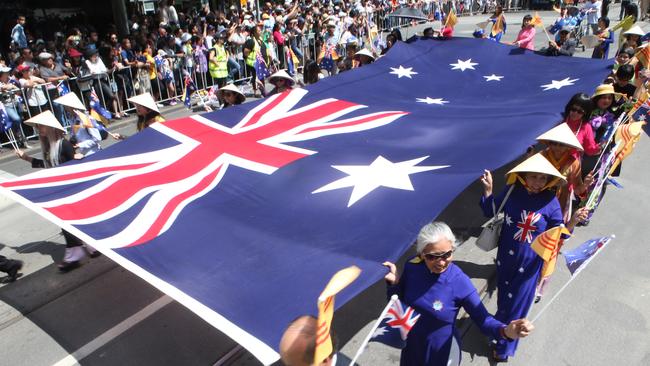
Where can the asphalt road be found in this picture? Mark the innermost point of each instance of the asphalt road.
(101, 314)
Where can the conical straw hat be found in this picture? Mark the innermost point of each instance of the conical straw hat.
(70, 100)
(635, 30)
(46, 118)
(535, 164)
(232, 88)
(364, 52)
(561, 133)
(281, 75)
(145, 100)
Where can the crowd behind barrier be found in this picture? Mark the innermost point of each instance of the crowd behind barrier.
(155, 66)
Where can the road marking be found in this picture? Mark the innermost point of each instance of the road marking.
(109, 335)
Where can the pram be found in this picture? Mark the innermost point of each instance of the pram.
(574, 21)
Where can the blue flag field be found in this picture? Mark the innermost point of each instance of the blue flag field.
(244, 214)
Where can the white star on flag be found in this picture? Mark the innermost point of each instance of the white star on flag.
(403, 72)
(379, 332)
(557, 84)
(493, 77)
(381, 173)
(428, 100)
(641, 118)
(508, 220)
(464, 65)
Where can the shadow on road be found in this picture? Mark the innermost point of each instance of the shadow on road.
(44, 247)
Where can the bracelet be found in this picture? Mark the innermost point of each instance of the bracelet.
(502, 332)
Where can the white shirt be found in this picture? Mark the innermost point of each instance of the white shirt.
(593, 11)
(96, 67)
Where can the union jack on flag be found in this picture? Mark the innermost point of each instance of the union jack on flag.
(396, 325)
(159, 184)
(526, 226)
(62, 88)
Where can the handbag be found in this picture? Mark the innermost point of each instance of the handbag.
(489, 238)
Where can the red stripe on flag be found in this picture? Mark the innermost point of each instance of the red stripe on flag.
(155, 229)
(72, 176)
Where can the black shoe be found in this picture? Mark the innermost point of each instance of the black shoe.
(497, 359)
(13, 270)
(95, 254)
(538, 298)
(68, 266)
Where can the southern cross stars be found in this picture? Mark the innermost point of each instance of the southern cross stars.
(380, 173)
(464, 65)
(493, 77)
(403, 72)
(557, 84)
(428, 100)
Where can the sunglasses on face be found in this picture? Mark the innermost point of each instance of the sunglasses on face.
(577, 110)
(437, 256)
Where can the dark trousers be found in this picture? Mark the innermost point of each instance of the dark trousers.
(6, 264)
(71, 241)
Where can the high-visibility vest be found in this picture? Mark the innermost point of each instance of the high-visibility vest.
(252, 55)
(219, 69)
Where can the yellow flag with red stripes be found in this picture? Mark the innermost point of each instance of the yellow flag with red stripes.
(537, 21)
(452, 19)
(547, 245)
(548, 242)
(626, 137)
(339, 281)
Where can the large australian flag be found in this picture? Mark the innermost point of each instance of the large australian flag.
(244, 214)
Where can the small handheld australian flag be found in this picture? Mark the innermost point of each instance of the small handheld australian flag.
(396, 325)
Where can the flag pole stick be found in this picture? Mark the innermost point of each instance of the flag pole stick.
(573, 277)
(621, 120)
(546, 32)
(372, 330)
(12, 139)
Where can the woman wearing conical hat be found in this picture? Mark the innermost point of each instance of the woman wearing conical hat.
(57, 150)
(282, 82)
(87, 132)
(560, 143)
(231, 95)
(86, 137)
(530, 208)
(147, 110)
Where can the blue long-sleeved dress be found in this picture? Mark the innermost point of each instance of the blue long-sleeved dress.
(438, 298)
(518, 266)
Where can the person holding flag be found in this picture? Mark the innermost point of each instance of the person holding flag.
(526, 37)
(56, 151)
(531, 207)
(436, 288)
(281, 82)
(498, 24)
(86, 135)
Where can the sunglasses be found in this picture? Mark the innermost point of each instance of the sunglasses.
(577, 110)
(555, 143)
(437, 256)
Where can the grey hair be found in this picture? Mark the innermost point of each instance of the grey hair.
(432, 233)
